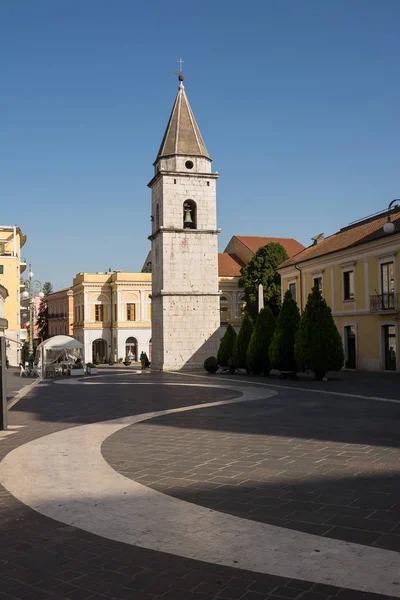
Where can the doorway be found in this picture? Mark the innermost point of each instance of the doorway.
(389, 345)
(350, 360)
(131, 348)
(99, 350)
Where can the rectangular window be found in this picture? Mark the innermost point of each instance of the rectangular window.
(115, 313)
(318, 283)
(292, 290)
(99, 312)
(131, 312)
(348, 285)
(387, 278)
(76, 314)
(1, 269)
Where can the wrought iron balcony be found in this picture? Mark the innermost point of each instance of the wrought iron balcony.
(385, 302)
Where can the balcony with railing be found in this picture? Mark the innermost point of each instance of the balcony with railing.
(22, 264)
(388, 302)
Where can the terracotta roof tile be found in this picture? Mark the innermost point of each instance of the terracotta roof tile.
(229, 265)
(365, 231)
(254, 242)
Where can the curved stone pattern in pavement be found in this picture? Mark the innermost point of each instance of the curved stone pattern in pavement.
(64, 476)
(331, 468)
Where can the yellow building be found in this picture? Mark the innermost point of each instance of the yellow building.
(112, 314)
(12, 265)
(357, 271)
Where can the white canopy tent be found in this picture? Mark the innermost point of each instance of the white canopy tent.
(56, 348)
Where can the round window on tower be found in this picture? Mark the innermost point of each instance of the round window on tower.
(189, 164)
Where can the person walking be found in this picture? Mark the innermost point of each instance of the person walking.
(143, 360)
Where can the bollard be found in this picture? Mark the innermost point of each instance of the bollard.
(3, 390)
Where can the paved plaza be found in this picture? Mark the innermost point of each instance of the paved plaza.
(144, 485)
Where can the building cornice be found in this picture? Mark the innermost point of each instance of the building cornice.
(180, 174)
(183, 230)
(381, 247)
(162, 293)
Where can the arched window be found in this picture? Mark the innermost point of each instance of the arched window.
(189, 214)
(225, 310)
(131, 348)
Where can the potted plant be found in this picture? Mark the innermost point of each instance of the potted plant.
(111, 359)
(211, 365)
(97, 360)
(77, 369)
(91, 368)
(127, 361)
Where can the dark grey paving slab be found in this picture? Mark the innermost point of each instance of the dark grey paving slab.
(41, 558)
(322, 465)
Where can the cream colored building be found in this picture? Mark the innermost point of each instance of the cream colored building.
(12, 265)
(112, 314)
(358, 273)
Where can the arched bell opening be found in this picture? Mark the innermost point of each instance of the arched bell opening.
(189, 214)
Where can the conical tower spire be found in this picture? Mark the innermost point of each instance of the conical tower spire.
(182, 136)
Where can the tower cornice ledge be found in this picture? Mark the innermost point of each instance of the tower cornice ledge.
(183, 230)
(181, 174)
(162, 293)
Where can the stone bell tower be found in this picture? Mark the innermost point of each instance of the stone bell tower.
(184, 249)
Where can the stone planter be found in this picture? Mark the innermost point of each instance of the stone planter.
(77, 372)
(127, 363)
(92, 370)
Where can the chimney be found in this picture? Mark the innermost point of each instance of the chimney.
(318, 238)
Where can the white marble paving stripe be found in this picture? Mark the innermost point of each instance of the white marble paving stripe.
(64, 476)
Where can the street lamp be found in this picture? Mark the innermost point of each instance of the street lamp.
(32, 288)
(389, 227)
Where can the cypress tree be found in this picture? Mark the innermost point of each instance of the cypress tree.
(242, 342)
(318, 346)
(281, 350)
(257, 352)
(225, 350)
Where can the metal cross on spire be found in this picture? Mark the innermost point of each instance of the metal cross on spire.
(179, 73)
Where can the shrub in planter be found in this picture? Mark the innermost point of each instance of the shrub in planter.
(318, 346)
(97, 360)
(257, 352)
(127, 361)
(111, 359)
(91, 368)
(281, 350)
(242, 341)
(211, 364)
(226, 344)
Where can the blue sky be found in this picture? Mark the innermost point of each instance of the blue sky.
(297, 101)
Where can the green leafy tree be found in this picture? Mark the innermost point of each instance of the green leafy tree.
(318, 346)
(281, 350)
(225, 351)
(262, 269)
(42, 321)
(257, 352)
(241, 344)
